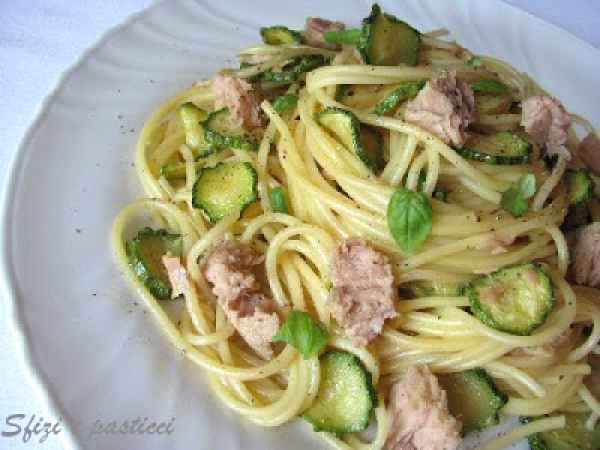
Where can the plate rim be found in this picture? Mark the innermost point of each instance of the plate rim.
(8, 286)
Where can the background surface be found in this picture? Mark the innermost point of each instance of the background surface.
(39, 39)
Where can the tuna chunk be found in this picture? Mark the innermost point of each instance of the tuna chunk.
(547, 122)
(364, 292)
(237, 95)
(419, 416)
(230, 268)
(444, 107)
(589, 152)
(315, 29)
(586, 256)
(177, 275)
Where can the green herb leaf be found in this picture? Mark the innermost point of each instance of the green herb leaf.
(285, 102)
(303, 332)
(515, 199)
(278, 197)
(409, 218)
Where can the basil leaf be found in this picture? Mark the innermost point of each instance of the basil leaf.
(515, 199)
(303, 332)
(285, 102)
(409, 218)
(278, 197)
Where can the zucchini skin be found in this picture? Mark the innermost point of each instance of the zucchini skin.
(374, 162)
(157, 283)
(428, 288)
(408, 90)
(365, 43)
(176, 170)
(580, 185)
(295, 69)
(487, 318)
(479, 379)
(470, 150)
(361, 423)
(211, 210)
(280, 35)
(219, 140)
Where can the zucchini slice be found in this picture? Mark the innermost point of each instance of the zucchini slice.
(515, 299)
(503, 148)
(292, 71)
(192, 118)
(489, 86)
(383, 40)
(365, 141)
(144, 254)
(285, 103)
(346, 396)
(473, 398)
(380, 98)
(574, 436)
(388, 41)
(224, 189)
(580, 186)
(363, 96)
(176, 170)
(402, 92)
(492, 104)
(220, 132)
(280, 35)
(279, 202)
(433, 288)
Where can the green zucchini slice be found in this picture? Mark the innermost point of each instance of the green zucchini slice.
(220, 132)
(363, 140)
(224, 189)
(144, 254)
(280, 35)
(388, 41)
(346, 396)
(579, 185)
(515, 299)
(192, 118)
(383, 40)
(473, 398)
(503, 148)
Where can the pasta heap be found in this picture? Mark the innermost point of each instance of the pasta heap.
(327, 194)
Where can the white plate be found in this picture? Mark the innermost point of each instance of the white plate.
(92, 351)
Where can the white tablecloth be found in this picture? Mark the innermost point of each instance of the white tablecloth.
(39, 39)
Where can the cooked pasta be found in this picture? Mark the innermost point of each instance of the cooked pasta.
(331, 194)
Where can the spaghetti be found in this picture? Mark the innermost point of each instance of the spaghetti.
(333, 196)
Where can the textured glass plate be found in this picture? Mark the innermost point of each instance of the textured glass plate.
(92, 352)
